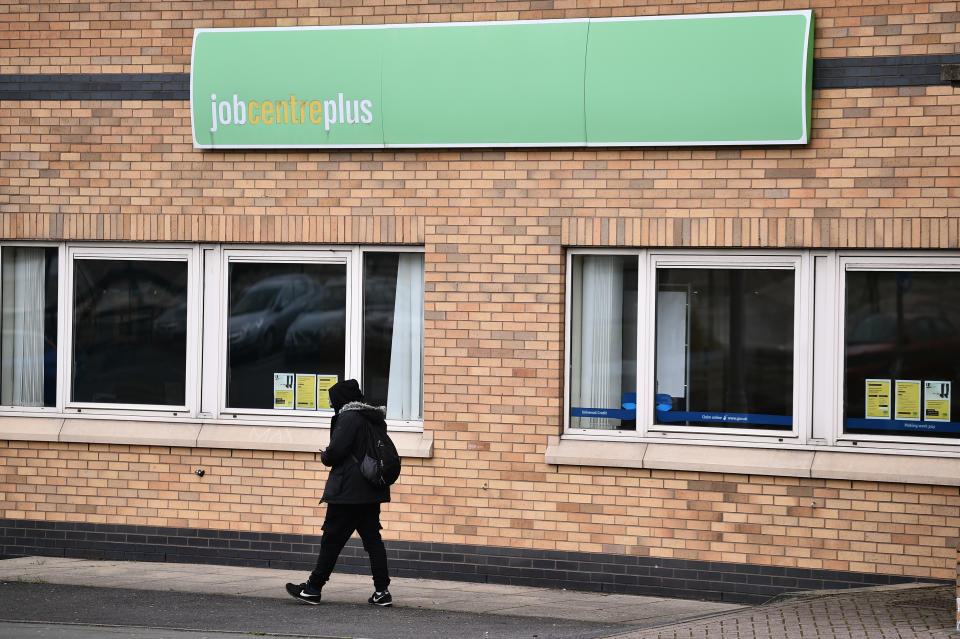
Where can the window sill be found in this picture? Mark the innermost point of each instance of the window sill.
(861, 465)
(191, 434)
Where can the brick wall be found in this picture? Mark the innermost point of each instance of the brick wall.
(155, 37)
(881, 171)
(822, 525)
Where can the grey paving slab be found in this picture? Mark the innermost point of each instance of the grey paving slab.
(557, 611)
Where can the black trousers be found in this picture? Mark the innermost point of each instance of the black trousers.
(338, 526)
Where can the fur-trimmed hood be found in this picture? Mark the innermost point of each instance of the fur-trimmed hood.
(382, 410)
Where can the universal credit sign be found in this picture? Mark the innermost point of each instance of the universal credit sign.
(715, 79)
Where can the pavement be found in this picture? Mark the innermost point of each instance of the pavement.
(57, 598)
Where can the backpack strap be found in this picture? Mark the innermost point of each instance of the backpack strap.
(363, 436)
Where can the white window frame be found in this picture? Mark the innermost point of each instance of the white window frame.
(346, 256)
(60, 392)
(642, 372)
(800, 262)
(820, 288)
(847, 261)
(207, 299)
(133, 253)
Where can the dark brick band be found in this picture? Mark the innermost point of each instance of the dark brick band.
(708, 580)
(96, 86)
(887, 71)
(829, 73)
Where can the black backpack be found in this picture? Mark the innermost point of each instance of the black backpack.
(381, 462)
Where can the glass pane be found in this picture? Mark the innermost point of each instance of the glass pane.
(901, 352)
(129, 332)
(724, 347)
(28, 347)
(393, 333)
(283, 318)
(603, 342)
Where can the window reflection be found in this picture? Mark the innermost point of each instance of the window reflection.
(129, 332)
(283, 318)
(900, 326)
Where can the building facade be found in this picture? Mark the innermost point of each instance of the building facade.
(693, 370)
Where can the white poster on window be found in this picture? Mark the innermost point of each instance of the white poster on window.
(672, 343)
(283, 391)
(936, 401)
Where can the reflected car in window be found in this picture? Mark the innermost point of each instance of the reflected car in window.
(315, 331)
(172, 323)
(323, 324)
(118, 355)
(261, 316)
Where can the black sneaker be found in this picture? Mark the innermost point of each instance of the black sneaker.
(304, 592)
(381, 599)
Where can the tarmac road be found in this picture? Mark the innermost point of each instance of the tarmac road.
(117, 612)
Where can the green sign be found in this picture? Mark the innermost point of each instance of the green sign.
(717, 79)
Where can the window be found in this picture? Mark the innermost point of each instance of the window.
(283, 318)
(28, 326)
(603, 348)
(812, 348)
(682, 343)
(724, 347)
(210, 332)
(130, 329)
(393, 333)
(685, 344)
(901, 352)
(295, 321)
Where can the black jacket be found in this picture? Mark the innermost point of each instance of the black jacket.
(345, 484)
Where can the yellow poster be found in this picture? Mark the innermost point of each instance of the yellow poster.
(283, 391)
(936, 401)
(306, 392)
(324, 382)
(878, 399)
(908, 399)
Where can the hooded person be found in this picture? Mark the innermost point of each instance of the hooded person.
(353, 503)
